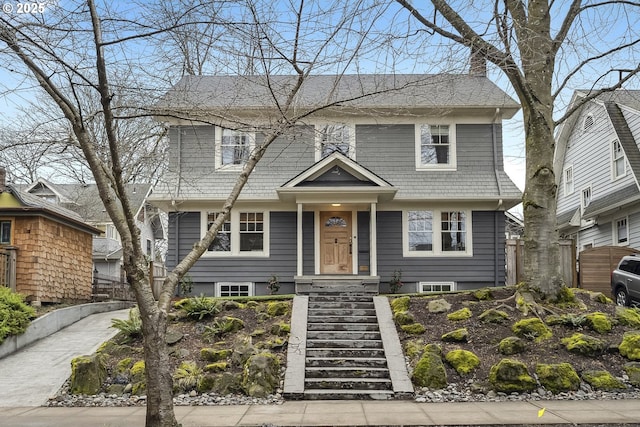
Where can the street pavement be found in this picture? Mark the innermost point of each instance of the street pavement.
(29, 377)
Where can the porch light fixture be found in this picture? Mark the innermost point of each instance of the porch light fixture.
(335, 205)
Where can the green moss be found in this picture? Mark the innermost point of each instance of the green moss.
(137, 371)
(413, 348)
(558, 378)
(462, 314)
(206, 383)
(216, 367)
(413, 329)
(632, 369)
(565, 297)
(124, 365)
(532, 328)
(278, 308)
(630, 346)
(463, 361)
(585, 345)
(511, 345)
(282, 329)
(569, 319)
(510, 376)
(271, 344)
(213, 355)
(400, 304)
(599, 322)
(459, 335)
(628, 316)
(87, 374)
(430, 372)
(258, 333)
(261, 375)
(483, 294)
(403, 318)
(433, 348)
(602, 380)
(493, 316)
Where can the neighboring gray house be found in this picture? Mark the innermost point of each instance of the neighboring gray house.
(107, 247)
(597, 165)
(410, 179)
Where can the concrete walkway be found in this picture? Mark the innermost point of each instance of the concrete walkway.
(35, 373)
(346, 413)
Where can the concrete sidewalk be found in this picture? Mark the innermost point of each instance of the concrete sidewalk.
(346, 413)
(33, 374)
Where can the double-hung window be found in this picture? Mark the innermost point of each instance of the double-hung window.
(621, 231)
(618, 167)
(5, 232)
(437, 233)
(331, 138)
(568, 180)
(244, 233)
(233, 148)
(586, 198)
(435, 147)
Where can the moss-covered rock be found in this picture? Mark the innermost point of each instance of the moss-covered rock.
(231, 324)
(206, 383)
(493, 316)
(173, 336)
(216, 367)
(87, 374)
(438, 306)
(632, 369)
(214, 355)
(483, 294)
(599, 322)
(459, 335)
(258, 333)
(413, 329)
(628, 316)
(602, 380)
(510, 376)
(403, 318)
(430, 371)
(585, 345)
(400, 304)
(273, 344)
(433, 348)
(231, 305)
(462, 314)
(630, 345)
(463, 361)
(413, 348)
(137, 371)
(558, 378)
(241, 353)
(600, 297)
(278, 308)
(282, 329)
(261, 375)
(512, 345)
(227, 383)
(532, 328)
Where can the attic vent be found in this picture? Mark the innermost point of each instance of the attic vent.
(588, 123)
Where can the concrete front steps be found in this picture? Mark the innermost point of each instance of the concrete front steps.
(344, 345)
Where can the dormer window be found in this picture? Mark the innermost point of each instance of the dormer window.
(233, 148)
(618, 167)
(435, 147)
(331, 138)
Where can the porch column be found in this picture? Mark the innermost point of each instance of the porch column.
(373, 241)
(299, 241)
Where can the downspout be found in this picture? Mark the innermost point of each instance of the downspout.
(496, 240)
(177, 191)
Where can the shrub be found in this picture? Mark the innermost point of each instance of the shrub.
(199, 307)
(187, 376)
(15, 315)
(131, 327)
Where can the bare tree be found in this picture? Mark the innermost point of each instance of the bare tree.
(83, 49)
(543, 48)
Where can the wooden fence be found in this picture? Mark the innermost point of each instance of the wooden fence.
(8, 268)
(515, 262)
(596, 265)
(109, 287)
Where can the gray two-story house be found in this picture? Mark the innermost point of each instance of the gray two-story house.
(597, 166)
(409, 180)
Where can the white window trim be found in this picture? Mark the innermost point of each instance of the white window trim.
(568, 189)
(590, 243)
(251, 287)
(235, 251)
(615, 177)
(422, 291)
(218, 150)
(318, 139)
(586, 126)
(583, 206)
(614, 231)
(437, 235)
(453, 161)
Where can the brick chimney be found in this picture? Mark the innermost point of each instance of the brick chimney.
(477, 64)
(3, 178)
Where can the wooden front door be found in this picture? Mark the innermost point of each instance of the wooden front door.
(335, 243)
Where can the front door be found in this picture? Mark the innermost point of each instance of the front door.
(335, 243)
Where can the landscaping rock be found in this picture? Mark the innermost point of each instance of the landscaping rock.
(413, 329)
(430, 371)
(463, 361)
(632, 369)
(459, 335)
(628, 316)
(261, 375)
(278, 308)
(483, 294)
(599, 322)
(558, 378)
(438, 306)
(400, 304)
(403, 318)
(512, 345)
(87, 374)
(630, 346)
(531, 328)
(585, 345)
(462, 314)
(173, 336)
(602, 380)
(493, 316)
(509, 376)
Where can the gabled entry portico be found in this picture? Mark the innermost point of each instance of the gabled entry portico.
(337, 190)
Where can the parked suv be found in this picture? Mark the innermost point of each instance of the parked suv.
(625, 281)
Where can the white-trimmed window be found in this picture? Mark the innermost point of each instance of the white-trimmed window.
(233, 148)
(437, 233)
(568, 180)
(621, 231)
(428, 287)
(5, 232)
(618, 166)
(244, 233)
(585, 200)
(336, 137)
(435, 147)
(234, 289)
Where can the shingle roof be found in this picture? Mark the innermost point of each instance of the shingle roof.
(389, 91)
(611, 201)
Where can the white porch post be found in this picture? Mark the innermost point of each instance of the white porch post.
(299, 240)
(373, 241)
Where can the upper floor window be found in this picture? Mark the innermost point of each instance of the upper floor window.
(435, 147)
(5, 232)
(233, 148)
(333, 138)
(243, 233)
(586, 197)
(430, 232)
(568, 180)
(618, 166)
(621, 231)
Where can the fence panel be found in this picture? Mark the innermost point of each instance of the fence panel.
(596, 265)
(8, 268)
(515, 262)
